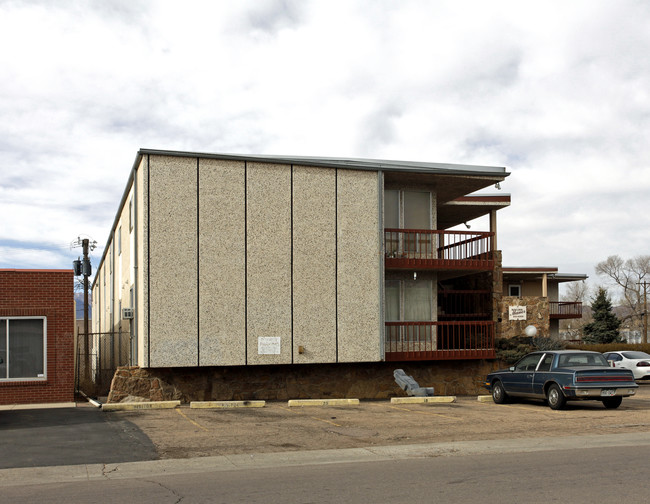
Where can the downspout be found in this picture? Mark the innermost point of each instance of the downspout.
(136, 316)
(382, 273)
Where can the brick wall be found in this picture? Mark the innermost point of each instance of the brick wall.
(42, 293)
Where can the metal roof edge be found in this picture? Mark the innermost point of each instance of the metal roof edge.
(125, 194)
(351, 163)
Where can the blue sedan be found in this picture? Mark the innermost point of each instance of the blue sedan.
(562, 375)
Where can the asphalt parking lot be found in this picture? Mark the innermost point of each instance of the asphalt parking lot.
(68, 436)
(88, 435)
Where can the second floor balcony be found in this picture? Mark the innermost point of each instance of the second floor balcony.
(565, 309)
(435, 249)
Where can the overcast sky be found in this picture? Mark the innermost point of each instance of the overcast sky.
(558, 92)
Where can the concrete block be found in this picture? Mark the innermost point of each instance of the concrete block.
(140, 405)
(422, 400)
(323, 402)
(226, 404)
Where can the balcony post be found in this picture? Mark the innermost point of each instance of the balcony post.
(493, 229)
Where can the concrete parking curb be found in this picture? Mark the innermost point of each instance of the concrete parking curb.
(141, 405)
(227, 404)
(323, 402)
(423, 400)
(7, 407)
(484, 398)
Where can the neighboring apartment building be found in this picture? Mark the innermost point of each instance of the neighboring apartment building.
(229, 260)
(537, 291)
(36, 336)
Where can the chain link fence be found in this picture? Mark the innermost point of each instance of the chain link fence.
(97, 361)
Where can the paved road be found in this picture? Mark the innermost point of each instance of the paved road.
(67, 436)
(579, 469)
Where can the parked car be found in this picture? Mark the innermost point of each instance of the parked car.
(637, 362)
(562, 375)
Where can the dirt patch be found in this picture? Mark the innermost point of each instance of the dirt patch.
(185, 432)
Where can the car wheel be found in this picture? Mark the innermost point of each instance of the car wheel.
(499, 395)
(612, 402)
(555, 397)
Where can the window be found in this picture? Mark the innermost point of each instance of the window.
(528, 363)
(546, 363)
(131, 214)
(407, 209)
(409, 300)
(119, 240)
(514, 290)
(22, 348)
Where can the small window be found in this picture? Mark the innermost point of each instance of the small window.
(119, 240)
(131, 214)
(514, 290)
(22, 348)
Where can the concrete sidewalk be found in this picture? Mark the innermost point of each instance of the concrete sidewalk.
(134, 470)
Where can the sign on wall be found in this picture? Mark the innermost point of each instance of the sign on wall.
(516, 313)
(268, 345)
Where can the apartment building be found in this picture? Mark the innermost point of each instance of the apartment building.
(236, 260)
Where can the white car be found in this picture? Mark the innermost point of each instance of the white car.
(637, 362)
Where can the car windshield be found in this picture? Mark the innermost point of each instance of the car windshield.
(635, 355)
(582, 359)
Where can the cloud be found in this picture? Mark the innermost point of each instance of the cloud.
(558, 92)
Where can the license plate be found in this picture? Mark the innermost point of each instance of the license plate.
(607, 392)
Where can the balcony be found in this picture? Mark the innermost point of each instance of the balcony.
(411, 341)
(434, 249)
(565, 309)
(467, 304)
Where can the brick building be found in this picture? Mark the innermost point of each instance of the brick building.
(36, 336)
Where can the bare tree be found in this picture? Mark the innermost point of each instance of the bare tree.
(631, 276)
(576, 292)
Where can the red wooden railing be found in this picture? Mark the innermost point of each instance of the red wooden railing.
(439, 340)
(565, 309)
(407, 248)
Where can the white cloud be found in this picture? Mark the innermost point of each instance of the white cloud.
(559, 92)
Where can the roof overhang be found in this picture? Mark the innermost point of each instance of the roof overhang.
(467, 208)
(537, 272)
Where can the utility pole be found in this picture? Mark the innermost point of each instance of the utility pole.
(84, 268)
(645, 310)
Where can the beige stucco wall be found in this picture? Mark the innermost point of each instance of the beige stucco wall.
(358, 266)
(172, 261)
(229, 252)
(268, 226)
(222, 263)
(534, 288)
(314, 264)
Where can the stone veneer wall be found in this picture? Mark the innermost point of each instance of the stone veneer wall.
(283, 382)
(537, 314)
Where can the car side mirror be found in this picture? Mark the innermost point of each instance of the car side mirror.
(512, 368)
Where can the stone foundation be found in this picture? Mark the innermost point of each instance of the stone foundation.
(281, 383)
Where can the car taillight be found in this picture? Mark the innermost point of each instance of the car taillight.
(643, 364)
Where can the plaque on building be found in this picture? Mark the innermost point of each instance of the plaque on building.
(516, 313)
(268, 345)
